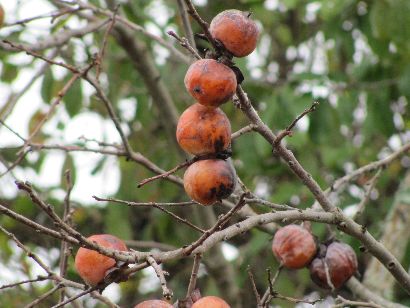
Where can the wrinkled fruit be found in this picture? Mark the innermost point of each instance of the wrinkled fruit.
(236, 31)
(294, 246)
(207, 181)
(154, 303)
(211, 83)
(342, 264)
(203, 130)
(210, 302)
(93, 266)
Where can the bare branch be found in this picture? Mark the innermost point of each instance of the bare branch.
(194, 275)
(166, 292)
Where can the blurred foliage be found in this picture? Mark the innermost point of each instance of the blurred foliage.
(352, 56)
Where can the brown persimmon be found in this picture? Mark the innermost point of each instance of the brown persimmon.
(202, 130)
(93, 266)
(210, 302)
(294, 246)
(153, 303)
(341, 262)
(210, 180)
(236, 31)
(211, 83)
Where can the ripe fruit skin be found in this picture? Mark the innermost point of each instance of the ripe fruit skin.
(294, 246)
(91, 265)
(210, 302)
(236, 31)
(203, 130)
(342, 264)
(1, 15)
(207, 181)
(211, 83)
(154, 303)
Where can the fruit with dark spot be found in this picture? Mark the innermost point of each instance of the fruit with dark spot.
(211, 83)
(1, 15)
(236, 31)
(294, 246)
(207, 181)
(203, 130)
(93, 266)
(341, 262)
(210, 302)
(154, 303)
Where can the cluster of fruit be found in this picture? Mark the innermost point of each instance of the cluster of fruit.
(203, 129)
(330, 266)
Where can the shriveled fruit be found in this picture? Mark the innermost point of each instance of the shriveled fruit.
(236, 31)
(93, 266)
(294, 246)
(210, 302)
(203, 130)
(207, 181)
(341, 261)
(211, 83)
(154, 303)
(1, 15)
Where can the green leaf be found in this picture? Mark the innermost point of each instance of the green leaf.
(9, 72)
(74, 98)
(47, 86)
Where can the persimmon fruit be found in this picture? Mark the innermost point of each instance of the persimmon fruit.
(341, 262)
(93, 266)
(203, 130)
(210, 302)
(294, 246)
(211, 83)
(236, 31)
(154, 303)
(210, 180)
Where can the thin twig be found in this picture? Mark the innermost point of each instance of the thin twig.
(218, 226)
(65, 248)
(186, 23)
(73, 298)
(152, 204)
(369, 188)
(194, 275)
(44, 296)
(243, 130)
(12, 285)
(255, 290)
(271, 282)
(204, 25)
(288, 130)
(343, 302)
(100, 56)
(166, 292)
(185, 43)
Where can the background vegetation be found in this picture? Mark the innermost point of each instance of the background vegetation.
(353, 57)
